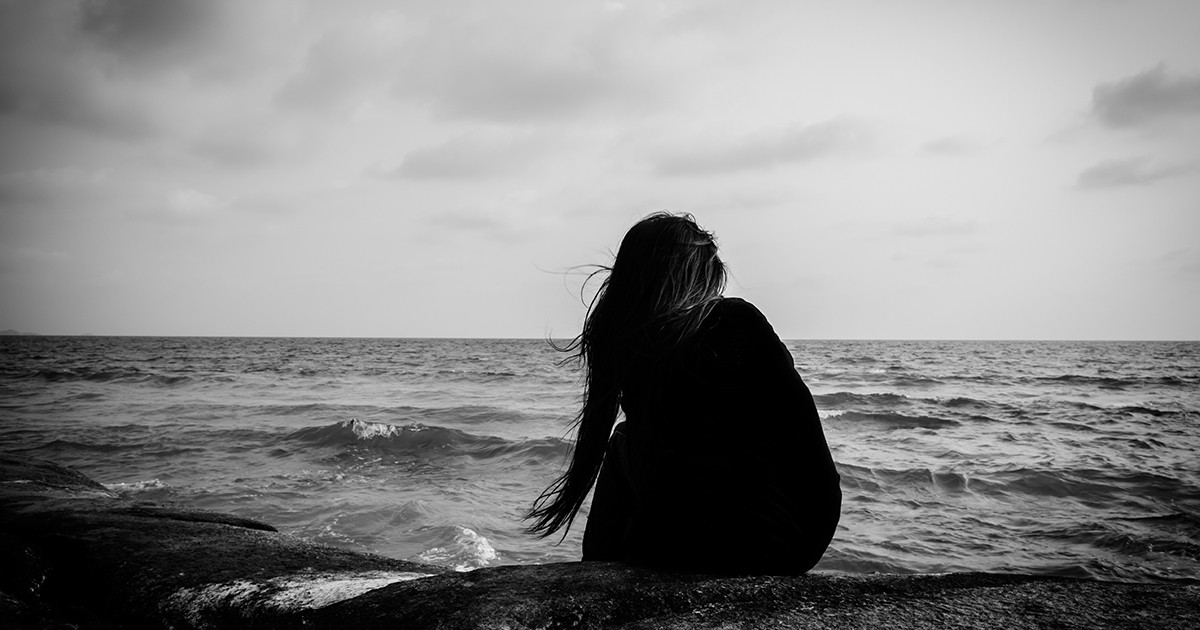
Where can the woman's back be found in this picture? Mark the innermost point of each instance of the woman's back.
(721, 463)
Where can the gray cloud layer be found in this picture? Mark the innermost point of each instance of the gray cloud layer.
(1127, 172)
(476, 155)
(149, 28)
(42, 81)
(564, 60)
(766, 149)
(1146, 97)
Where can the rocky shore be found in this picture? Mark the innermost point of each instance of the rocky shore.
(74, 555)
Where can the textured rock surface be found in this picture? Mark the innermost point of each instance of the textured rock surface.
(86, 557)
(601, 595)
(75, 555)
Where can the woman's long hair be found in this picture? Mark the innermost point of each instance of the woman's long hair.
(665, 280)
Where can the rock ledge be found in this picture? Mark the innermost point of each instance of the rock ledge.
(78, 556)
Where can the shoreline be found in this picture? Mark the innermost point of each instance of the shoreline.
(80, 556)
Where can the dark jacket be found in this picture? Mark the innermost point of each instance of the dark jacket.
(721, 464)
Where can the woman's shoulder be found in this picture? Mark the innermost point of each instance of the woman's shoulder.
(738, 321)
(741, 340)
(735, 304)
(736, 310)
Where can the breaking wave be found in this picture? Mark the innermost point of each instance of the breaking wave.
(427, 440)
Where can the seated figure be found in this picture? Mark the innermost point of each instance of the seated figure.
(720, 464)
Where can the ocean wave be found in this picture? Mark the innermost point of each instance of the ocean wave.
(959, 402)
(146, 447)
(290, 369)
(476, 375)
(893, 421)
(136, 486)
(83, 397)
(421, 439)
(464, 550)
(1103, 382)
(914, 381)
(313, 410)
(1082, 484)
(1146, 444)
(1149, 411)
(1185, 521)
(110, 375)
(1072, 426)
(60, 445)
(888, 378)
(471, 414)
(1090, 485)
(1122, 411)
(875, 480)
(1114, 382)
(1113, 536)
(146, 490)
(547, 449)
(414, 436)
(854, 559)
(851, 399)
(1049, 483)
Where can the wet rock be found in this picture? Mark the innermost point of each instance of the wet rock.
(612, 595)
(76, 555)
(92, 559)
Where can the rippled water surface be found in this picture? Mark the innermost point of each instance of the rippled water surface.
(1065, 458)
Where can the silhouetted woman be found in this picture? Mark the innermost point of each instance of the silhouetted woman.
(721, 464)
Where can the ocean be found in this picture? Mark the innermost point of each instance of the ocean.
(1059, 458)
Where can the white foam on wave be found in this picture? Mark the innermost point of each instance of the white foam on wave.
(468, 552)
(367, 430)
(135, 487)
(283, 593)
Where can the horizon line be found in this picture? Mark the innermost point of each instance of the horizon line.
(13, 333)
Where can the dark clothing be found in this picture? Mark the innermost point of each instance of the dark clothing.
(721, 464)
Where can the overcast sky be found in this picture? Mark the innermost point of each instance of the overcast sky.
(1004, 169)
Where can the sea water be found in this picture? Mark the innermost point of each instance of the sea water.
(1059, 458)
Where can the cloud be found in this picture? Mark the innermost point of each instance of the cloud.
(936, 226)
(509, 217)
(1147, 97)
(211, 40)
(1119, 173)
(35, 188)
(148, 29)
(478, 154)
(1184, 261)
(344, 62)
(29, 259)
(184, 208)
(951, 146)
(766, 149)
(554, 60)
(48, 76)
(189, 202)
(252, 140)
(80, 103)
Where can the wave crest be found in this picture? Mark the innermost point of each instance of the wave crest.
(467, 551)
(420, 439)
(897, 421)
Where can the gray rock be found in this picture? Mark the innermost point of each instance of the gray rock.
(610, 595)
(77, 556)
(87, 557)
